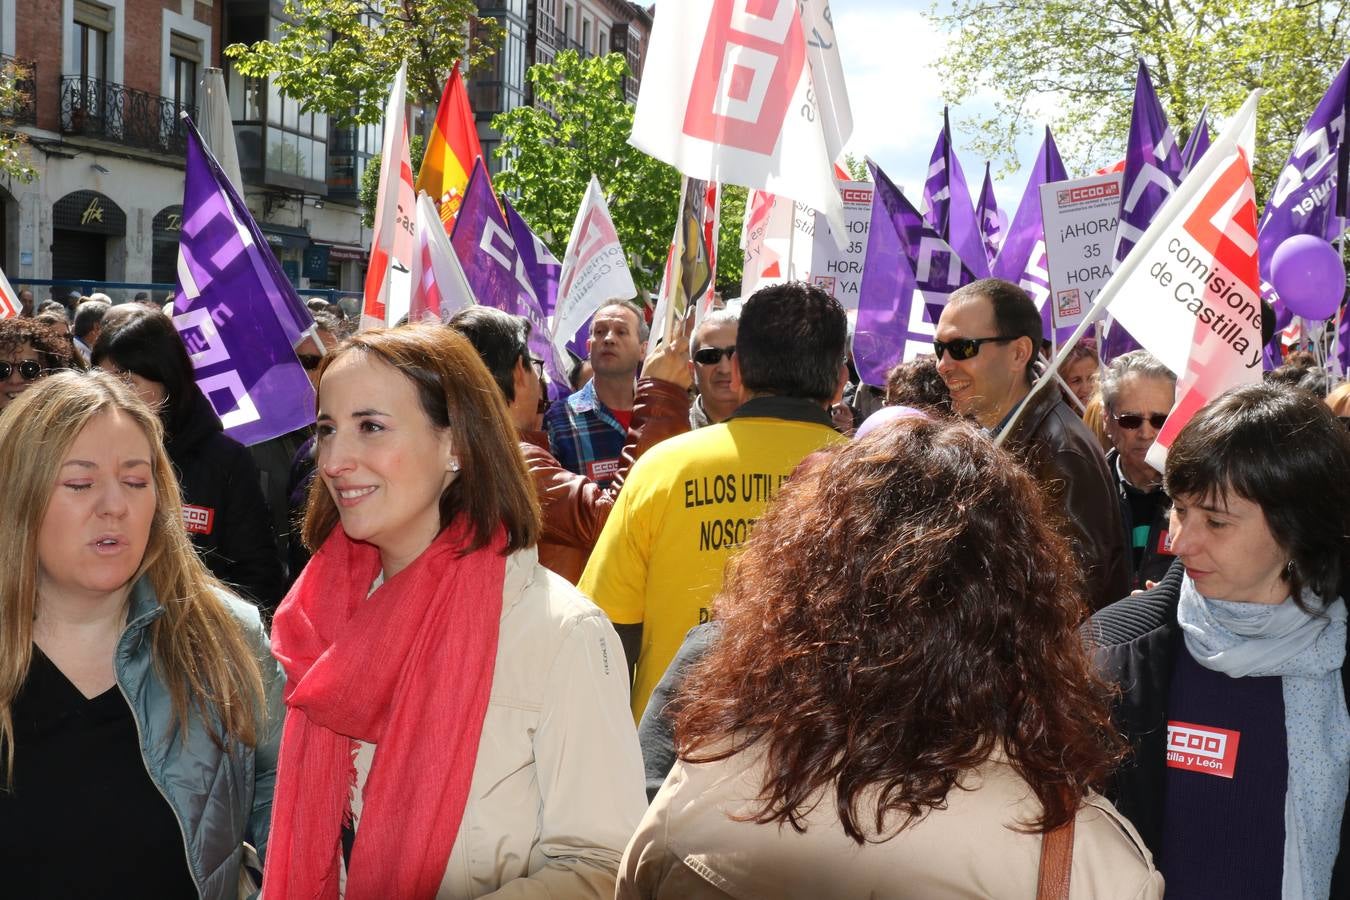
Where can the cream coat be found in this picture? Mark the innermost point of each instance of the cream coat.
(558, 784)
(688, 848)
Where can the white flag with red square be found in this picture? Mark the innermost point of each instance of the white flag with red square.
(748, 92)
(1193, 299)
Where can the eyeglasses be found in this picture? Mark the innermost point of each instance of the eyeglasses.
(1130, 421)
(711, 356)
(538, 366)
(310, 361)
(28, 369)
(966, 348)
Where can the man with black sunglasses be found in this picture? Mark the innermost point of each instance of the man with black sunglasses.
(987, 342)
(1138, 392)
(710, 353)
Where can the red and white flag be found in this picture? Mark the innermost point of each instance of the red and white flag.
(9, 301)
(439, 288)
(594, 269)
(748, 92)
(389, 275)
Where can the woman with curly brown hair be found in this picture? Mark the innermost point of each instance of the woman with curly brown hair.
(898, 680)
(30, 349)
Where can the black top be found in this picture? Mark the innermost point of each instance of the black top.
(1227, 776)
(84, 819)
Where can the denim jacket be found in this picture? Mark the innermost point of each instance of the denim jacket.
(220, 798)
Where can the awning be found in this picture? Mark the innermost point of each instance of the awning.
(287, 237)
(343, 252)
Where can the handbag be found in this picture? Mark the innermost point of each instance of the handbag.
(1056, 863)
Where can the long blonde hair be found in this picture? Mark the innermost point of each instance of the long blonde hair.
(198, 646)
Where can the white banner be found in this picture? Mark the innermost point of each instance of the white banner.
(748, 93)
(438, 284)
(837, 264)
(594, 269)
(1080, 218)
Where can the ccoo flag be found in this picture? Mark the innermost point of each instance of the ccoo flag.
(1153, 168)
(493, 264)
(452, 147)
(1190, 291)
(594, 270)
(993, 222)
(750, 94)
(389, 275)
(1022, 258)
(1306, 195)
(908, 274)
(1196, 144)
(236, 311)
(948, 207)
(439, 288)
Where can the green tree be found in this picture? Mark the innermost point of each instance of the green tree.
(13, 152)
(856, 168)
(730, 256)
(1079, 60)
(368, 192)
(339, 56)
(579, 126)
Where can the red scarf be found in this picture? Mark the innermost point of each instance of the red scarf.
(410, 670)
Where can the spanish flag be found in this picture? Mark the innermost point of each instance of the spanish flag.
(451, 149)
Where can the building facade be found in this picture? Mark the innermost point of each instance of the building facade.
(106, 80)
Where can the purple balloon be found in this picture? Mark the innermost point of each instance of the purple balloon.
(886, 415)
(1308, 274)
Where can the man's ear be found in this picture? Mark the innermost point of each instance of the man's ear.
(1024, 351)
(518, 376)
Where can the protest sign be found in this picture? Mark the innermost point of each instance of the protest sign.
(1080, 236)
(837, 265)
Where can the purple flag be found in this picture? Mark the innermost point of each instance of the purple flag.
(1196, 144)
(993, 223)
(495, 266)
(1306, 199)
(1153, 170)
(543, 270)
(236, 311)
(948, 206)
(1022, 259)
(908, 273)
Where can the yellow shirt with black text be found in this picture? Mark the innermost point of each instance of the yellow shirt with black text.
(688, 503)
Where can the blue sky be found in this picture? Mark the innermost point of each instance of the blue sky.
(888, 48)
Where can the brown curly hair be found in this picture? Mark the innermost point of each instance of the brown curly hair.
(899, 614)
(53, 344)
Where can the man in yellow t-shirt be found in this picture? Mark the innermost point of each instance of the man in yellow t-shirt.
(692, 500)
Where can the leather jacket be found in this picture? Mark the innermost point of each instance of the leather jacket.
(573, 507)
(1065, 459)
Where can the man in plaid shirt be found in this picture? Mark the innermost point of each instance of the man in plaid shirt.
(586, 431)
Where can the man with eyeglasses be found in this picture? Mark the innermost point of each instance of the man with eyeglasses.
(692, 501)
(1138, 392)
(987, 341)
(710, 353)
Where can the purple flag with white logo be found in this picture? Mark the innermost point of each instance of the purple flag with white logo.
(1306, 196)
(1022, 259)
(1152, 172)
(908, 274)
(948, 206)
(496, 268)
(1196, 144)
(993, 223)
(543, 270)
(236, 311)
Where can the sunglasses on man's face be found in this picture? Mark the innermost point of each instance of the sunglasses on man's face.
(1130, 421)
(29, 370)
(711, 356)
(966, 348)
(310, 360)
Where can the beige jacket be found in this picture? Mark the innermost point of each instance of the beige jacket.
(558, 784)
(688, 848)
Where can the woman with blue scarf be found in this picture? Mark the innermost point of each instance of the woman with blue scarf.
(1232, 670)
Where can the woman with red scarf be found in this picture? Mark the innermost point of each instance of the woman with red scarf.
(457, 716)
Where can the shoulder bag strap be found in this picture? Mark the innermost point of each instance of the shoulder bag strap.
(1056, 863)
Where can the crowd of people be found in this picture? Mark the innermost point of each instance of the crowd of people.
(707, 625)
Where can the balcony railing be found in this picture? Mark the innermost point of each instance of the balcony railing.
(102, 109)
(24, 111)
